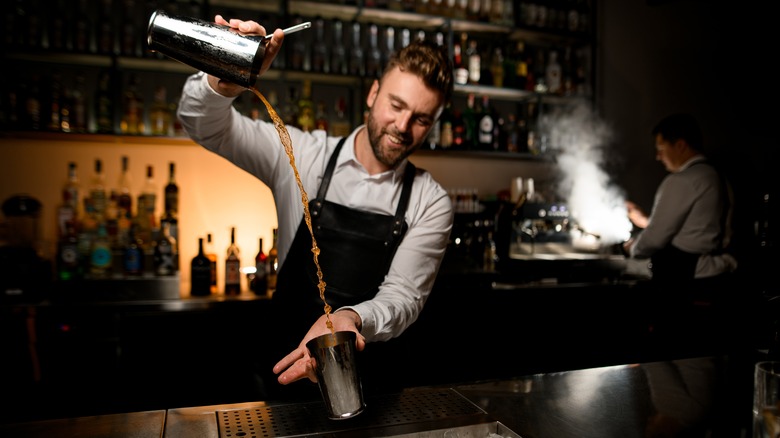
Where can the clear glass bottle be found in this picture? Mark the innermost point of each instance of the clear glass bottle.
(98, 198)
(338, 55)
(160, 116)
(320, 56)
(357, 57)
(165, 256)
(124, 185)
(171, 202)
(374, 55)
(233, 266)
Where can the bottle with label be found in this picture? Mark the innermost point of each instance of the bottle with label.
(474, 62)
(143, 220)
(306, 108)
(165, 255)
(160, 116)
(553, 73)
(68, 211)
(461, 73)
(124, 195)
(200, 273)
(68, 258)
(100, 255)
(485, 125)
(133, 255)
(469, 118)
(273, 262)
(259, 280)
(98, 198)
(233, 267)
(321, 117)
(340, 125)
(212, 256)
(132, 108)
(171, 203)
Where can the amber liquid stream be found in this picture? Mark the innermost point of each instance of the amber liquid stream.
(284, 136)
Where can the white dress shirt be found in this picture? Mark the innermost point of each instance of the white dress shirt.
(255, 147)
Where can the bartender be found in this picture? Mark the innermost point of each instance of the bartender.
(687, 235)
(381, 224)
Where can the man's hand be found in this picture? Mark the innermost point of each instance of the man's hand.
(636, 215)
(298, 364)
(272, 48)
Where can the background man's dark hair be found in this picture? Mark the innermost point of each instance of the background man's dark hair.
(680, 126)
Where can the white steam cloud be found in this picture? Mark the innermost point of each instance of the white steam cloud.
(579, 139)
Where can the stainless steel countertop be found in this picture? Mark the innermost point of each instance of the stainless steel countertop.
(697, 396)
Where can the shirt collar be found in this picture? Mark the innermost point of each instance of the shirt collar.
(347, 158)
(693, 160)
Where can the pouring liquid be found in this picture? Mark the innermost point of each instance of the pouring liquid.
(284, 136)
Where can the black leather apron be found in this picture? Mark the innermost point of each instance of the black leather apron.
(356, 249)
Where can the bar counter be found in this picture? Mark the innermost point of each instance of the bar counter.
(690, 397)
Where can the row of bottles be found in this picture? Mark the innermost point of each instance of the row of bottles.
(298, 109)
(104, 231)
(261, 278)
(58, 103)
(100, 27)
(479, 126)
(552, 15)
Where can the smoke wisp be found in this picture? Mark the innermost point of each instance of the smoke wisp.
(578, 139)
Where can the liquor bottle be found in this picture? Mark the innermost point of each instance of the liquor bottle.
(552, 74)
(133, 254)
(461, 73)
(300, 59)
(320, 58)
(321, 117)
(55, 100)
(165, 253)
(160, 116)
(469, 117)
(212, 256)
(273, 262)
(340, 125)
(100, 255)
(374, 55)
(104, 104)
(132, 108)
(338, 55)
(233, 267)
(485, 125)
(306, 108)
(68, 258)
(68, 211)
(473, 62)
(200, 273)
(357, 59)
(259, 281)
(497, 67)
(389, 38)
(171, 203)
(32, 105)
(78, 115)
(98, 198)
(124, 196)
(145, 207)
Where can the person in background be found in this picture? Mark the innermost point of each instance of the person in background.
(381, 224)
(686, 237)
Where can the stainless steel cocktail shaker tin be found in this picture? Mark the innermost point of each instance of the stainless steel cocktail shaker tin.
(209, 47)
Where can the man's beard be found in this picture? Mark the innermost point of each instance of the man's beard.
(375, 134)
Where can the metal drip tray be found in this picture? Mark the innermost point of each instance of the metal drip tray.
(415, 413)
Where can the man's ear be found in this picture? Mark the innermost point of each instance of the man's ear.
(372, 93)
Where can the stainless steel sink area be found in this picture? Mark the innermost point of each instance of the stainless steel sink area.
(413, 413)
